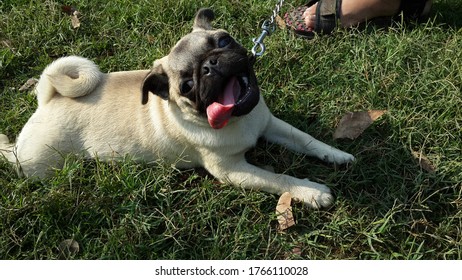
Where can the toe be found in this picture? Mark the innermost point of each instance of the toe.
(309, 16)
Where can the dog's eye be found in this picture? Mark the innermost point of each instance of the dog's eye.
(186, 86)
(224, 41)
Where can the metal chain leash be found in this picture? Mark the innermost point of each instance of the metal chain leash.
(268, 28)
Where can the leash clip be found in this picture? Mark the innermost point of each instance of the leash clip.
(268, 27)
(259, 48)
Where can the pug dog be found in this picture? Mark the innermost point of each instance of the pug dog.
(199, 106)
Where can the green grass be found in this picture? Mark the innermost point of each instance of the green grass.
(386, 206)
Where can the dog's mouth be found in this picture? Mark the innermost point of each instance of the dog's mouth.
(239, 97)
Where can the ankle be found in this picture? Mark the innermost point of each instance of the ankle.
(354, 12)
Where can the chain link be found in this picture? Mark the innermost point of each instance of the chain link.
(268, 28)
(276, 11)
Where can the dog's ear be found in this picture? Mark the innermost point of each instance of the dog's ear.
(155, 82)
(204, 18)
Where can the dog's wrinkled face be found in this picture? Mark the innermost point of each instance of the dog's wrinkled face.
(208, 70)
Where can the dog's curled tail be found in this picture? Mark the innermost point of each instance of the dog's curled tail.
(71, 76)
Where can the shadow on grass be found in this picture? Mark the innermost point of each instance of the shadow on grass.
(448, 12)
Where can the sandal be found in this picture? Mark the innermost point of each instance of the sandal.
(328, 16)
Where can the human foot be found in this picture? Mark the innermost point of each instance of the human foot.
(323, 16)
(353, 12)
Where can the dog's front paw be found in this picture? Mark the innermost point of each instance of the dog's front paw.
(338, 157)
(343, 158)
(313, 194)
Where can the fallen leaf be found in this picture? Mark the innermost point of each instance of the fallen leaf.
(73, 13)
(353, 124)
(75, 19)
(28, 84)
(424, 162)
(69, 247)
(281, 23)
(284, 212)
(297, 251)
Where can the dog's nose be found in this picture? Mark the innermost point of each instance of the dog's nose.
(209, 67)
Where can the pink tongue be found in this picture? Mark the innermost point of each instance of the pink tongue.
(219, 113)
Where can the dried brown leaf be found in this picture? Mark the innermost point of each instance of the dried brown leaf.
(297, 251)
(68, 247)
(375, 114)
(353, 124)
(73, 13)
(284, 212)
(281, 23)
(75, 19)
(424, 162)
(28, 84)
